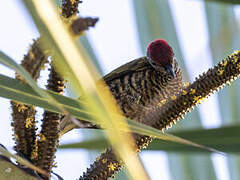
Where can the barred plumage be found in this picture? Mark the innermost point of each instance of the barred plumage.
(136, 87)
(140, 85)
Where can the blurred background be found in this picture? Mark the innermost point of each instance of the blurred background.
(200, 33)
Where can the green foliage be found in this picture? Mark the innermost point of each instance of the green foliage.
(225, 139)
(94, 109)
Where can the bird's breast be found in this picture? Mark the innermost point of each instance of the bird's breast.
(136, 91)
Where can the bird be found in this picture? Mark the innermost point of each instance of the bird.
(137, 87)
(137, 83)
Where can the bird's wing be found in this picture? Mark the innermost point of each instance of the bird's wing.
(133, 66)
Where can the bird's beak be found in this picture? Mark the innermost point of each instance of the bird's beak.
(169, 69)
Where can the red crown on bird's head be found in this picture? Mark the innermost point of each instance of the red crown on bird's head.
(160, 52)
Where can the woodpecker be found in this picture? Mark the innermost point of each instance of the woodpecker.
(141, 82)
(136, 86)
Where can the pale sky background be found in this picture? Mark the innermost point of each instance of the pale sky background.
(114, 46)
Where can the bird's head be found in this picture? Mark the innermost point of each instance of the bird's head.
(160, 55)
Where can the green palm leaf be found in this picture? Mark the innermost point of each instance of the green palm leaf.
(226, 139)
(224, 37)
(154, 20)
